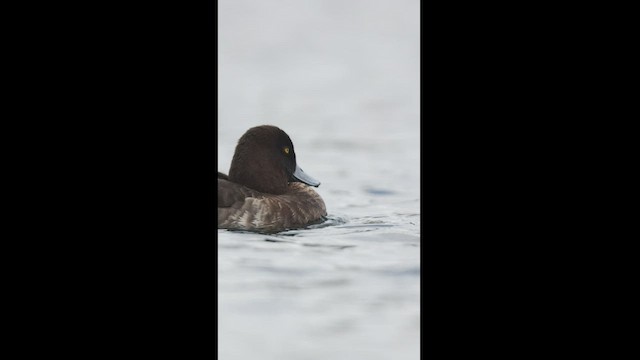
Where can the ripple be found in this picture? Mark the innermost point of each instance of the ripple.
(374, 191)
(279, 240)
(339, 247)
(330, 221)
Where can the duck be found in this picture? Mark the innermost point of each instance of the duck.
(266, 190)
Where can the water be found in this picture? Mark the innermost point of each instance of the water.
(342, 79)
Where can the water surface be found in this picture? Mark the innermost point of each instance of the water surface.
(342, 79)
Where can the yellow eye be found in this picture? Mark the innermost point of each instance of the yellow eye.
(286, 150)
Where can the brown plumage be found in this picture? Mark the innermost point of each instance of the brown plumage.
(265, 190)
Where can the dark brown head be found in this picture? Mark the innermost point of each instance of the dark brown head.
(265, 160)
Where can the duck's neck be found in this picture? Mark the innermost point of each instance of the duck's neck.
(263, 179)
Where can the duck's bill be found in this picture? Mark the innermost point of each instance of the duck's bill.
(302, 177)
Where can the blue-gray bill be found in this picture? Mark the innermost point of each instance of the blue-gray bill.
(304, 178)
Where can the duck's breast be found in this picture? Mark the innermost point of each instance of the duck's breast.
(245, 209)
